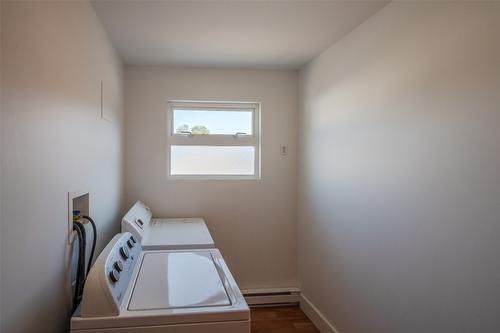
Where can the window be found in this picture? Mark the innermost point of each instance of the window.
(213, 140)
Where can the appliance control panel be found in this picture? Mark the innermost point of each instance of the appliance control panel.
(137, 220)
(109, 278)
(120, 264)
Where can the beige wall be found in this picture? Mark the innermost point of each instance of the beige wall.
(253, 222)
(54, 141)
(399, 218)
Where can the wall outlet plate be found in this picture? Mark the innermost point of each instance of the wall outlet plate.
(283, 150)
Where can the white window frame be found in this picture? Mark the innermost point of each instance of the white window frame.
(236, 139)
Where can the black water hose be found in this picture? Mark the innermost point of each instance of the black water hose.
(81, 259)
(80, 272)
(94, 240)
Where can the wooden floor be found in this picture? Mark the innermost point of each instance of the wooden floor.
(286, 319)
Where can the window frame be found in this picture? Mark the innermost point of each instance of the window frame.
(247, 140)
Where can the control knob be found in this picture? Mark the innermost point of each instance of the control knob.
(118, 265)
(130, 243)
(114, 276)
(124, 252)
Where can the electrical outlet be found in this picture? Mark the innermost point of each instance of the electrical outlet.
(283, 150)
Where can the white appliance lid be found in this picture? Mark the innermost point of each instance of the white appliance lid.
(178, 232)
(170, 280)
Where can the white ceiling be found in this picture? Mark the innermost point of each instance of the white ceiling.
(259, 34)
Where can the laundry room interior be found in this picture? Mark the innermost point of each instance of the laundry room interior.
(249, 166)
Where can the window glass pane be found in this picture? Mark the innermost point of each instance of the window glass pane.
(212, 160)
(213, 121)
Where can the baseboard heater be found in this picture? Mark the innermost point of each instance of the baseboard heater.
(272, 296)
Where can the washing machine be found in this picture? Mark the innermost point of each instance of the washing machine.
(160, 291)
(166, 233)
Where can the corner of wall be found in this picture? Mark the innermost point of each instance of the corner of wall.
(1, 115)
(318, 319)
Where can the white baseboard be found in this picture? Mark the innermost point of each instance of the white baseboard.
(271, 296)
(315, 316)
